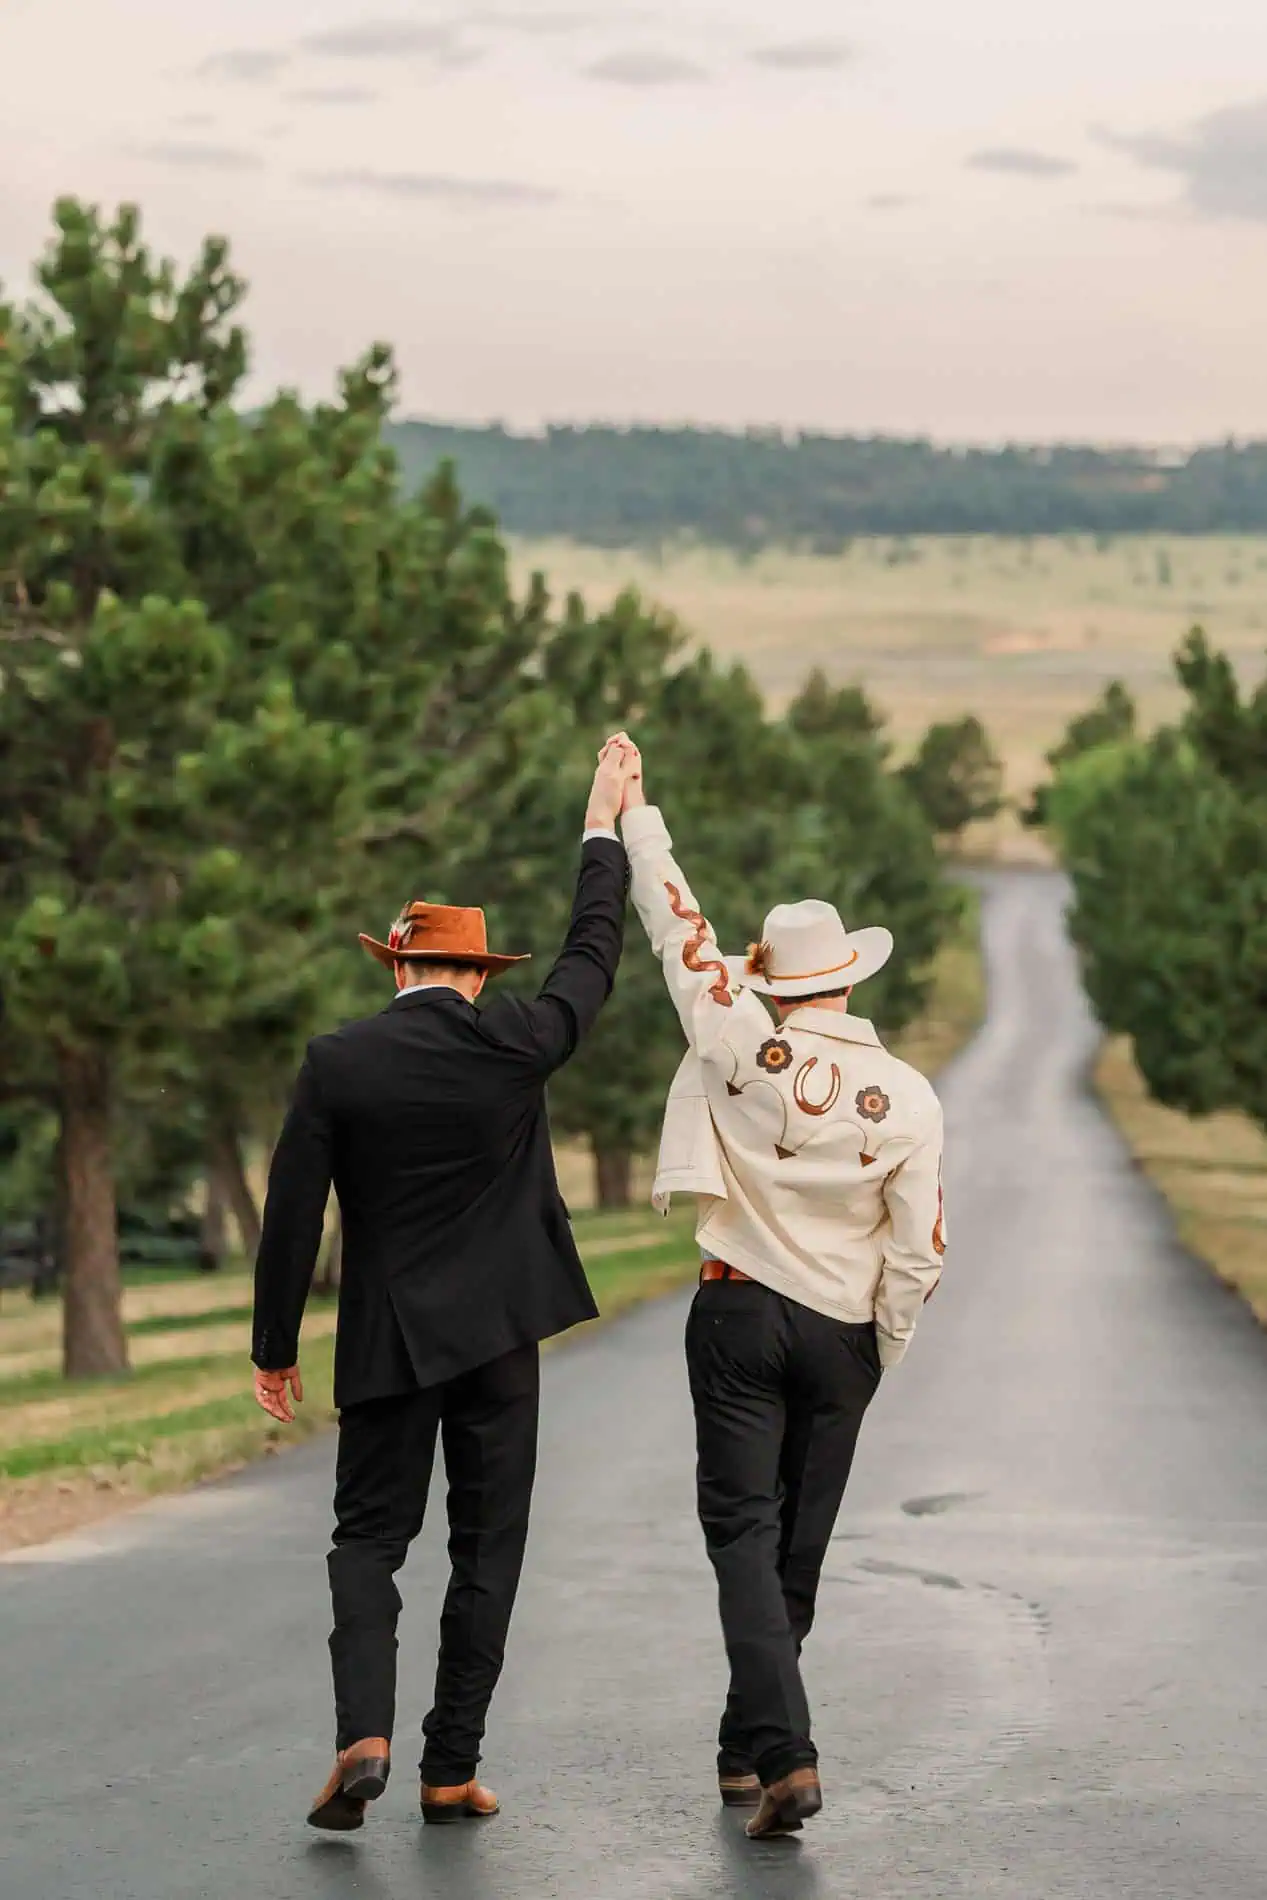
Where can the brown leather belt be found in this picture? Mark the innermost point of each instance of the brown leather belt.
(718, 1270)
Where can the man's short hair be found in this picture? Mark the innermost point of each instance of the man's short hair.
(424, 970)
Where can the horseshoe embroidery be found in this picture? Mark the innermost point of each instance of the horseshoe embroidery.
(798, 1089)
(720, 989)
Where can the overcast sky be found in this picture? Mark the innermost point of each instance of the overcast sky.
(982, 219)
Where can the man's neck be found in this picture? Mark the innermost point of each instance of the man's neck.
(839, 1004)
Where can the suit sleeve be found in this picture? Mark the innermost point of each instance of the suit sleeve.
(915, 1241)
(581, 978)
(294, 1215)
(707, 998)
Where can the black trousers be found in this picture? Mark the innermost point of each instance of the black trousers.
(487, 1423)
(779, 1394)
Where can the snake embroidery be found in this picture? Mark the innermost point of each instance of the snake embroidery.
(939, 1225)
(802, 1099)
(720, 989)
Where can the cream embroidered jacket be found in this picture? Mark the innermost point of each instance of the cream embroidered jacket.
(815, 1154)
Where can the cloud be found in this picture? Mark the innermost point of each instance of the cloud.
(1020, 162)
(254, 65)
(192, 119)
(890, 201)
(218, 158)
(1222, 160)
(333, 95)
(438, 187)
(645, 69)
(437, 40)
(805, 56)
(1134, 213)
(496, 20)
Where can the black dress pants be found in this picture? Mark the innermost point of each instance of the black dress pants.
(780, 1392)
(487, 1424)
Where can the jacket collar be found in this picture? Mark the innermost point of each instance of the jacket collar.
(835, 1023)
(428, 993)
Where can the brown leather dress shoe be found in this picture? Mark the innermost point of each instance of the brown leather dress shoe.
(786, 1805)
(467, 1802)
(358, 1777)
(739, 1791)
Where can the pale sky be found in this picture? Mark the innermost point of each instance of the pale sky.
(972, 218)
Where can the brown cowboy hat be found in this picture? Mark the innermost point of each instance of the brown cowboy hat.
(439, 933)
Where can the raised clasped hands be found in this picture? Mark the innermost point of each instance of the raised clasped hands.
(620, 746)
(619, 763)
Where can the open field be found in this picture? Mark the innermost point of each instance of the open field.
(1213, 1173)
(1023, 633)
(71, 1453)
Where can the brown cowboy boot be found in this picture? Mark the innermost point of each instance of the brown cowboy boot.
(739, 1791)
(468, 1801)
(358, 1777)
(786, 1805)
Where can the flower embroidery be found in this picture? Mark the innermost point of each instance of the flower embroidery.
(872, 1104)
(774, 1056)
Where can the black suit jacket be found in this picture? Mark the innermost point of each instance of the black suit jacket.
(430, 1119)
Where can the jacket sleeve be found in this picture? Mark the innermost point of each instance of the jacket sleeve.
(294, 1215)
(549, 1028)
(915, 1240)
(706, 996)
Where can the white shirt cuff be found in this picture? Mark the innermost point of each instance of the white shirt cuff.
(644, 824)
(891, 1350)
(600, 831)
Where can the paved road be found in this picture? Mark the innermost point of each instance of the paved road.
(1040, 1663)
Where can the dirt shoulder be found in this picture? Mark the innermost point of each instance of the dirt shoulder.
(1213, 1174)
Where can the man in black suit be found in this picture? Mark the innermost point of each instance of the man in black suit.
(458, 1258)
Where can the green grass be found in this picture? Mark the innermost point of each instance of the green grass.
(618, 1282)
(125, 1444)
(188, 1322)
(49, 1383)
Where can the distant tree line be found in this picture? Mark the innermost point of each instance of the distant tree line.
(1165, 839)
(643, 487)
(257, 690)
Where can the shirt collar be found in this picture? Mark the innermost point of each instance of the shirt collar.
(836, 1023)
(425, 992)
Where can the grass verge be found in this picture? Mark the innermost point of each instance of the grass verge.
(70, 1454)
(1213, 1174)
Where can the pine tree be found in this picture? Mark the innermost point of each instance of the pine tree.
(956, 776)
(131, 874)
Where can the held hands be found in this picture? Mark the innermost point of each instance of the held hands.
(273, 1391)
(618, 762)
(621, 747)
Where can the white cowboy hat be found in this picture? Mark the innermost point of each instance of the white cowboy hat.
(806, 949)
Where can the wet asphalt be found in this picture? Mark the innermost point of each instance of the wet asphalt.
(1041, 1657)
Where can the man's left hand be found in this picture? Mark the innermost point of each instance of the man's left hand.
(273, 1390)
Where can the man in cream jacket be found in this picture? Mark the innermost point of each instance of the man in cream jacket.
(815, 1157)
